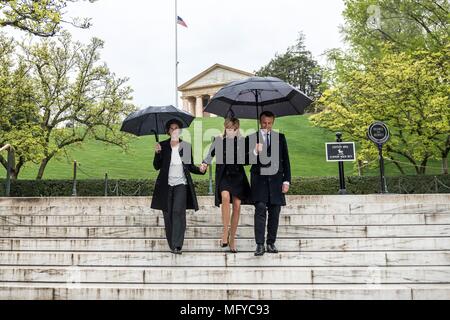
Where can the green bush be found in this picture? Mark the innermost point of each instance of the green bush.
(299, 186)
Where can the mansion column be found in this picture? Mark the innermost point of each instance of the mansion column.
(192, 105)
(199, 106)
(185, 104)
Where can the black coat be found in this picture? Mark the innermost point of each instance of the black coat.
(161, 162)
(240, 161)
(268, 188)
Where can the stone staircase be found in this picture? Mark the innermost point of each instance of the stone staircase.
(331, 247)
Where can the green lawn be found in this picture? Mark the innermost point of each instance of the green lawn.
(306, 149)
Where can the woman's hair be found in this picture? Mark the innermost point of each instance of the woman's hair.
(173, 121)
(231, 122)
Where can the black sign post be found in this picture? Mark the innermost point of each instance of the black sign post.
(378, 133)
(342, 189)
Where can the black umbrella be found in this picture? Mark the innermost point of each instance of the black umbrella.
(152, 120)
(247, 99)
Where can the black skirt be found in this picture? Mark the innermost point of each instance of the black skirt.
(232, 181)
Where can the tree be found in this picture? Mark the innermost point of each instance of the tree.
(42, 18)
(376, 31)
(408, 91)
(70, 85)
(406, 25)
(18, 115)
(297, 67)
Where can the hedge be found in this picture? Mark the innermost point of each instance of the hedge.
(299, 186)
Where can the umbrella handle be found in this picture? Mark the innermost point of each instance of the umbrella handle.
(156, 136)
(257, 132)
(156, 126)
(257, 115)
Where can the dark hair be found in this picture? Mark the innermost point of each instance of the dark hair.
(171, 122)
(266, 114)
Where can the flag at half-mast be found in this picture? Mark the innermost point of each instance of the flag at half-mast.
(181, 22)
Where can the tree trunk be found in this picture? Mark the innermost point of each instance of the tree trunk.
(399, 167)
(13, 174)
(445, 165)
(423, 167)
(14, 171)
(42, 167)
(3, 162)
(360, 168)
(445, 153)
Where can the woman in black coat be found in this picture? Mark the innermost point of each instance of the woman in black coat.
(231, 181)
(174, 190)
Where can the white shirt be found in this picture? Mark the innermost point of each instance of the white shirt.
(264, 135)
(176, 172)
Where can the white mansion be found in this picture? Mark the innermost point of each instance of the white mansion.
(196, 92)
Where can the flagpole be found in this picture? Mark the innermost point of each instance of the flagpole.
(176, 54)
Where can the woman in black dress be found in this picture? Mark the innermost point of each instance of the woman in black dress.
(231, 181)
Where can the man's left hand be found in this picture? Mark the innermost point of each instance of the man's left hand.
(285, 188)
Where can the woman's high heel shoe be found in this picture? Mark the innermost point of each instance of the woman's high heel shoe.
(224, 245)
(232, 250)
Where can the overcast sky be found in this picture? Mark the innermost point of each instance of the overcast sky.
(244, 34)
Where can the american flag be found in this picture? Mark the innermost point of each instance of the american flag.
(181, 21)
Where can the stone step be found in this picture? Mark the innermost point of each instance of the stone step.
(210, 259)
(331, 247)
(235, 275)
(202, 200)
(216, 220)
(214, 232)
(224, 292)
(291, 209)
(243, 245)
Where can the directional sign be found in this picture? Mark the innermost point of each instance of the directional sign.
(378, 132)
(340, 151)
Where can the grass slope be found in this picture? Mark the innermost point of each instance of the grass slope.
(306, 149)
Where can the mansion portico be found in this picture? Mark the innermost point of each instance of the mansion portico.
(196, 92)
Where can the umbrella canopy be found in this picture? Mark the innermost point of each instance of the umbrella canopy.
(152, 120)
(247, 99)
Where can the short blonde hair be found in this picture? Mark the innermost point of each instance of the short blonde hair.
(231, 122)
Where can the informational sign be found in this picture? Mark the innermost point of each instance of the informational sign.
(340, 151)
(378, 132)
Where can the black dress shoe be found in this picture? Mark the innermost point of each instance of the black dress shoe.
(223, 244)
(271, 248)
(259, 250)
(177, 251)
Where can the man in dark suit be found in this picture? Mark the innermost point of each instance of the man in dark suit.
(270, 180)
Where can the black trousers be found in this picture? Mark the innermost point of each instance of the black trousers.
(261, 210)
(175, 217)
